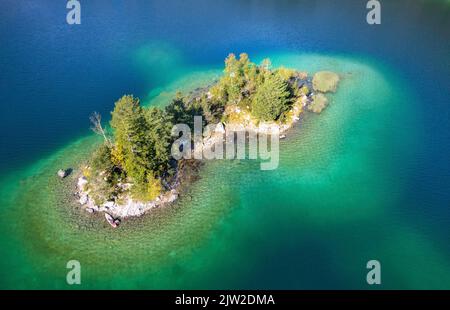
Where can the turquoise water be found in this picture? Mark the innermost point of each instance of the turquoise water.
(366, 179)
(313, 223)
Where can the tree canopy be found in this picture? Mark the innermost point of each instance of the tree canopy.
(138, 152)
(271, 98)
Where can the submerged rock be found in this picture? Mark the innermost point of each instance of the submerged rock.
(319, 103)
(325, 81)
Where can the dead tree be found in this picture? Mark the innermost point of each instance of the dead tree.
(96, 121)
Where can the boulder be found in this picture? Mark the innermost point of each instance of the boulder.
(172, 197)
(62, 173)
(83, 199)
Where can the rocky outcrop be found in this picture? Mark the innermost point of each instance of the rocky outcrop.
(128, 208)
(248, 124)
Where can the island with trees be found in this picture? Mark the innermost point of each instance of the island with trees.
(133, 171)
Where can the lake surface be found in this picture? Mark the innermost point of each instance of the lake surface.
(367, 179)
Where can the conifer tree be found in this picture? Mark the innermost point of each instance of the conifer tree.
(133, 149)
(270, 99)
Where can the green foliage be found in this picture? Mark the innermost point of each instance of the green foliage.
(240, 78)
(183, 113)
(212, 109)
(305, 90)
(177, 110)
(159, 135)
(139, 152)
(141, 145)
(102, 159)
(219, 92)
(271, 99)
(285, 73)
(234, 78)
(103, 175)
(133, 148)
(147, 191)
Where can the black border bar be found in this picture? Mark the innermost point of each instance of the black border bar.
(125, 299)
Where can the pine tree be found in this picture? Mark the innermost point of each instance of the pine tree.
(270, 99)
(159, 134)
(234, 77)
(177, 110)
(133, 149)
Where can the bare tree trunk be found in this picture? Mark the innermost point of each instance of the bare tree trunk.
(96, 120)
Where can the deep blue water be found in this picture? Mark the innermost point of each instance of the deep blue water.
(52, 75)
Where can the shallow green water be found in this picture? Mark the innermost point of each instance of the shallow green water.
(332, 205)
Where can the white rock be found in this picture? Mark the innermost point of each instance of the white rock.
(82, 181)
(108, 204)
(172, 197)
(62, 173)
(220, 128)
(83, 199)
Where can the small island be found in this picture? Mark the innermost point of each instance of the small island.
(133, 171)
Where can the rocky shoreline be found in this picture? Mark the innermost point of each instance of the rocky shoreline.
(114, 211)
(132, 208)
